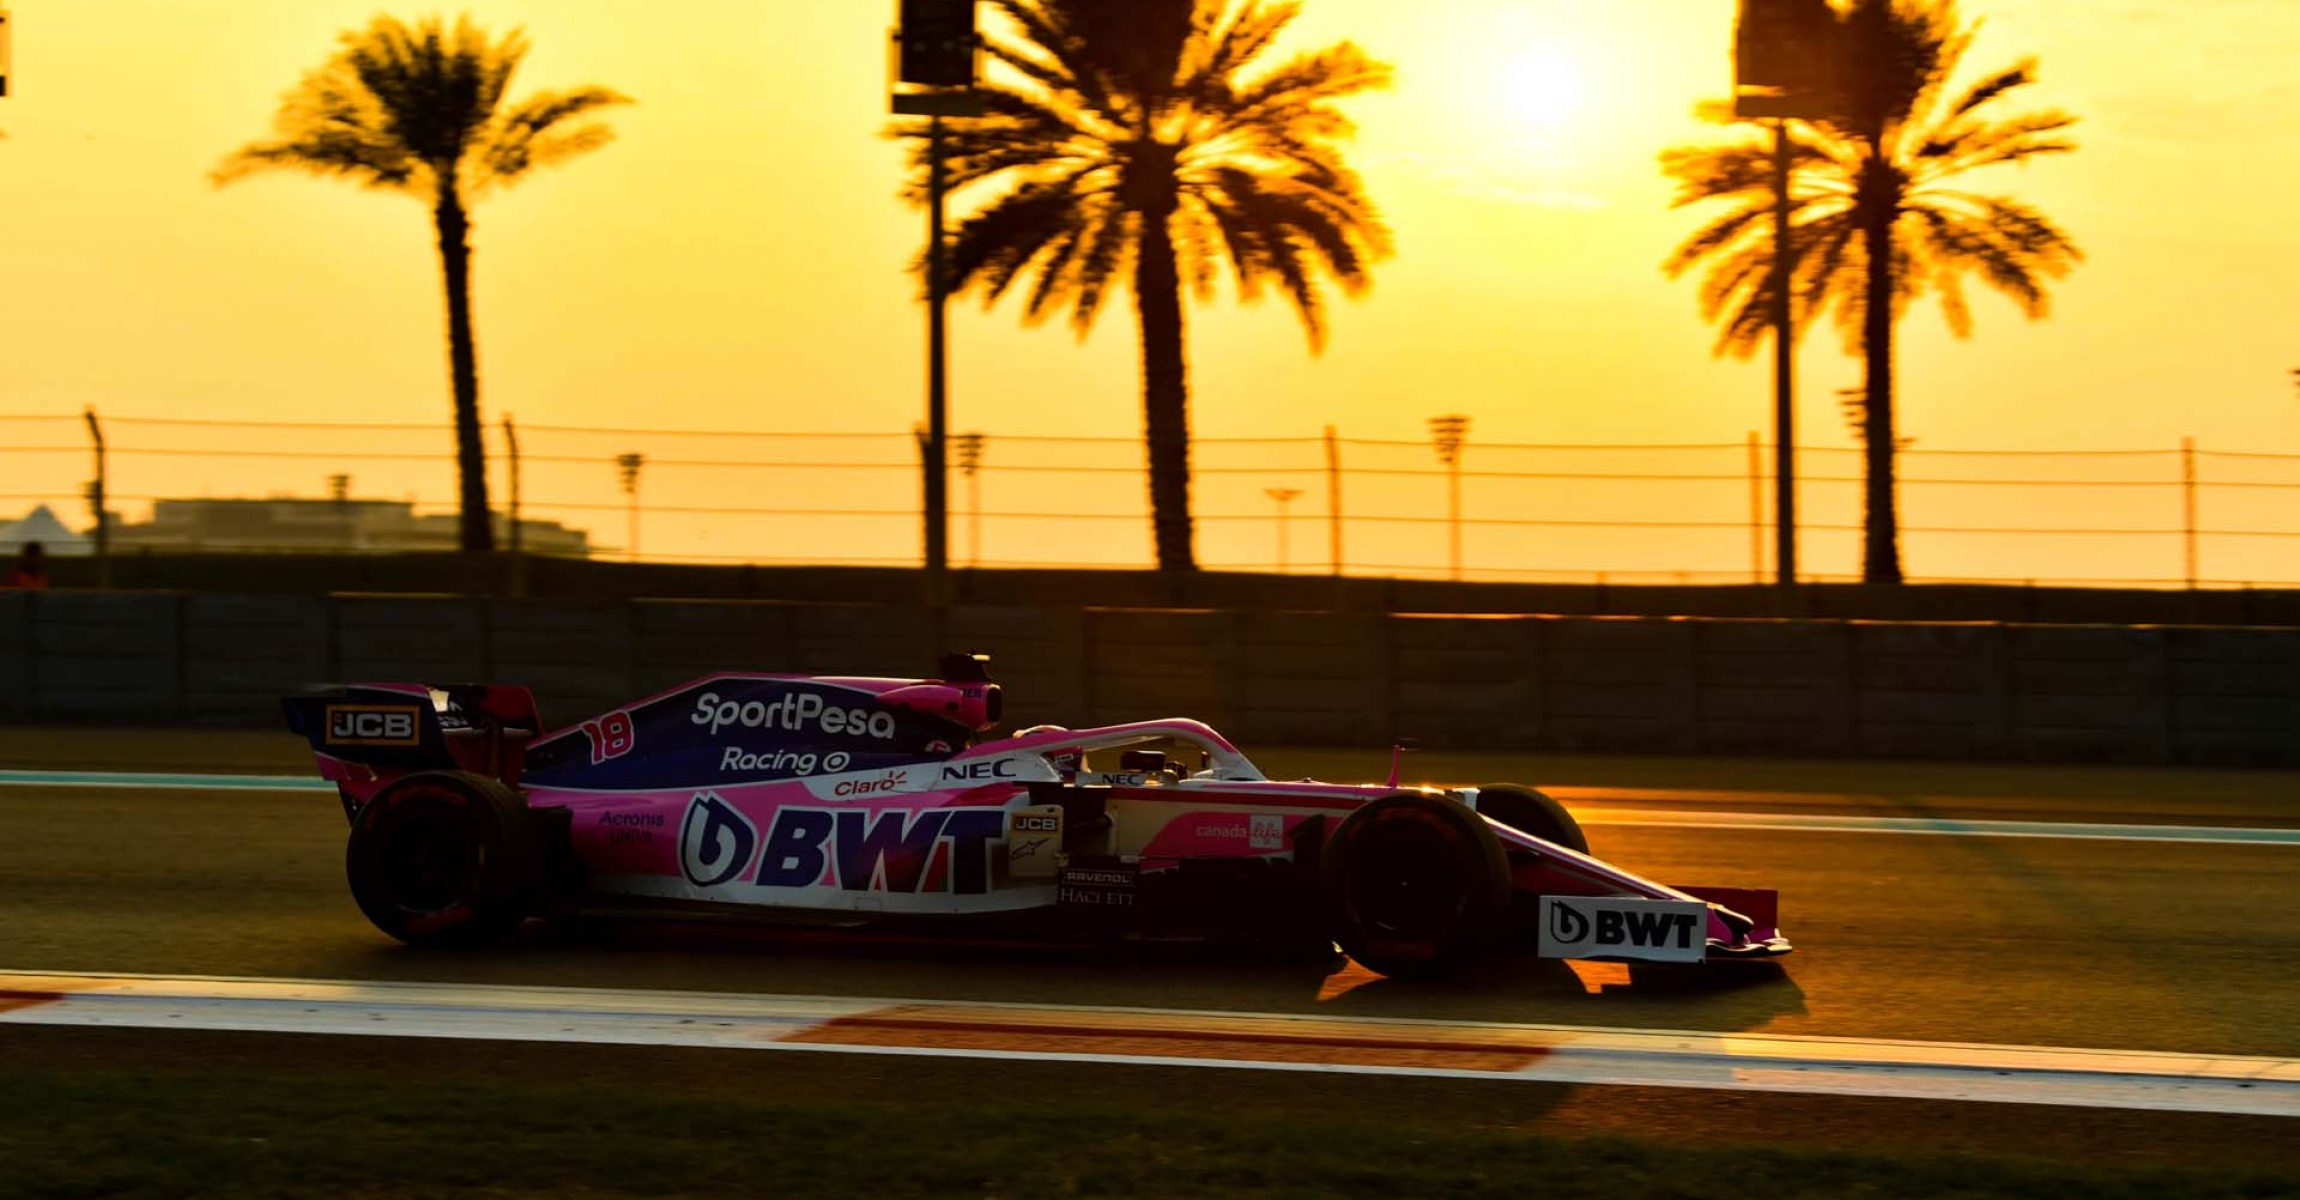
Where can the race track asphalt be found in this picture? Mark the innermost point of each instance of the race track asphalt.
(2125, 945)
(2130, 945)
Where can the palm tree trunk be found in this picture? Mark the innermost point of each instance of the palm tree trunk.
(478, 531)
(1881, 550)
(1165, 393)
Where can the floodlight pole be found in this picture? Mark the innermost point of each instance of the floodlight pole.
(1784, 68)
(936, 49)
(937, 367)
(1784, 372)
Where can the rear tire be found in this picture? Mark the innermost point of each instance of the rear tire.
(1531, 811)
(444, 858)
(1415, 885)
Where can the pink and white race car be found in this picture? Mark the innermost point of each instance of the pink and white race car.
(851, 802)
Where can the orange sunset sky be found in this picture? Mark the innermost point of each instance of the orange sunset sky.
(735, 259)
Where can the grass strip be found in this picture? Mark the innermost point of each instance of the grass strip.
(128, 1134)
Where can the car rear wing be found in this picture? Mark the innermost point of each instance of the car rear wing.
(366, 734)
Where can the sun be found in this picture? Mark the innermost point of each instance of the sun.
(1545, 89)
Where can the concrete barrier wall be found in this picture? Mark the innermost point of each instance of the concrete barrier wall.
(600, 579)
(2091, 693)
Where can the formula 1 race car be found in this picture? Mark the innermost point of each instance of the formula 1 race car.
(845, 801)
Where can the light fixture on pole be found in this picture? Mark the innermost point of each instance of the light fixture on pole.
(627, 468)
(1782, 59)
(936, 57)
(969, 447)
(1447, 434)
(1284, 497)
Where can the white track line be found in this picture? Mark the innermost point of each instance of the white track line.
(1587, 814)
(1440, 1049)
(166, 781)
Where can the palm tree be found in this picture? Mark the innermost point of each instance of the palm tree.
(1876, 220)
(420, 110)
(1135, 145)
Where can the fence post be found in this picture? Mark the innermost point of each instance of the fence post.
(518, 558)
(2188, 506)
(1756, 511)
(1334, 501)
(96, 501)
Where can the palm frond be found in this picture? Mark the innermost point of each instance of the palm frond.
(2020, 74)
(1831, 270)
(537, 132)
(1242, 240)
(1943, 245)
(1046, 28)
(330, 125)
(418, 108)
(1288, 262)
(1297, 94)
(1197, 249)
(1053, 264)
(993, 246)
(1100, 263)
(1135, 46)
(438, 86)
(1344, 245)
(1051, 76)
(1222, 48)
(1107, 118)
(1020, 134)
(1959, 246)
(1289, 233)
(1737, 295)
(1970, 145)
(2012, 246)
(1902, 133)
(1715, 236)
(1745, 168)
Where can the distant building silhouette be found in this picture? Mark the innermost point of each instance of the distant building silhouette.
(335, 526)
(41, 525)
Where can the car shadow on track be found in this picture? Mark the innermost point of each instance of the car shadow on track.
(696, 956)
(1729, 996)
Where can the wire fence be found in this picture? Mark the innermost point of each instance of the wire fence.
(1626, 513)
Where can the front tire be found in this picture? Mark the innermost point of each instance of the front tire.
(1415, 885)
(444, 859)
(1534, 812)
